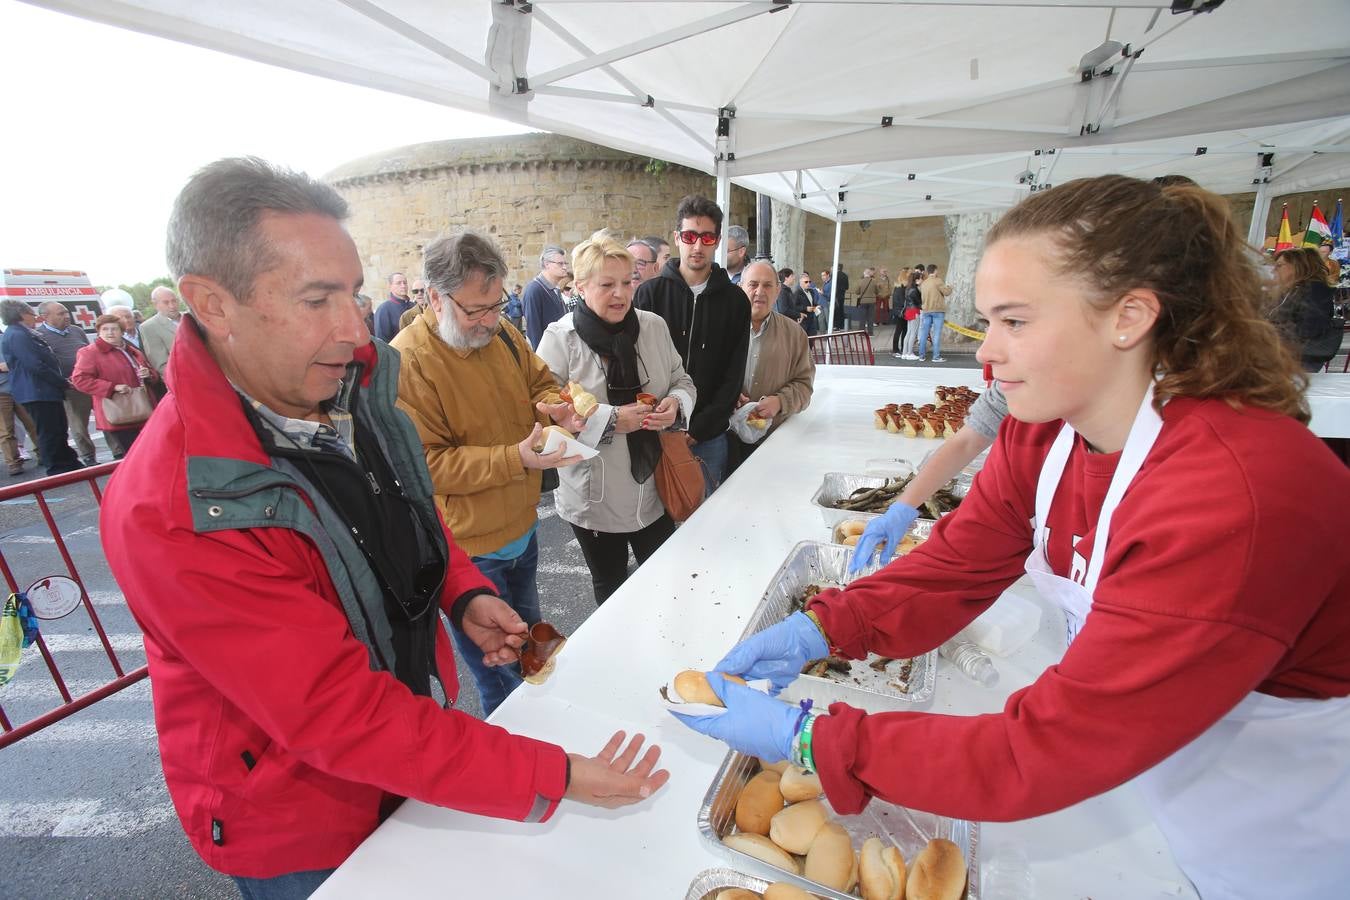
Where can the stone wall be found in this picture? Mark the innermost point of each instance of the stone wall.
(525, 191)
(896, 244)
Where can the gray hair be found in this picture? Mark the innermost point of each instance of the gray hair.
(548, 251)
(46, 305)
(739, 235)
(448, 261)
(213, 229)
(11, 311)
(363, 301)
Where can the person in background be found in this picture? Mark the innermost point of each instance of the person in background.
(662, 248)
(12, 418)
(1333, 265)
(1304, 311)
(790, 302)
(66, 340)
(644, 261)
(131, 329)
(388, 313)
(159, 330)
(814, 307)
(366, 307)
(616, 352)
(36, 382)
(543, 295)
(913, 306)
(839, 284)
(471, 387)
(291, 575)
(933, 292)
(107, 367)
(709, 321)
(1205, 591)
(738, 252)
(883, 291)
(779, 374)
(515, 310)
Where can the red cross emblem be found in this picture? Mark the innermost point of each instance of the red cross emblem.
(85, 316)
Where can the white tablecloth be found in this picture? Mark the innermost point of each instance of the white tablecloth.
(683, 609)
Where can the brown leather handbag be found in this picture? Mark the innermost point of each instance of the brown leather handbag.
(679, 476)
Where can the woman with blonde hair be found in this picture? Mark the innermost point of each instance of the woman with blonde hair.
(616, 352)
(1159, 485)
(1304, 313)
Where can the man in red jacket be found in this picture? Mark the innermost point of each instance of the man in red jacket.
(290, 575)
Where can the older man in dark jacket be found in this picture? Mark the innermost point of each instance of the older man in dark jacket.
(36, 382)
(709, 321)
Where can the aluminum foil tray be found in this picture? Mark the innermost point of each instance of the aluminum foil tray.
(813, 562)
(921, 528)
(837, 485)
(905, 828)
(709, 882)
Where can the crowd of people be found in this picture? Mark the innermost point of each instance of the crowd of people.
(350, 471)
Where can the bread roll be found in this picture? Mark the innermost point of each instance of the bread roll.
(798, 785)
(781, 890)
(881, 871)
(757, 422)
(937, 873)
(737, 894)
(852, 526)
(543, 436)
(759, 802)
(692, 686)
(851, 540)
(830, 859)
(763, 849)
(795, 827)
(583, 401)
(779, 767)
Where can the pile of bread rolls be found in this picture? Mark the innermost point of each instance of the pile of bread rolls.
(781, 820)
(849, 531)
(779, 890)
(941, 419)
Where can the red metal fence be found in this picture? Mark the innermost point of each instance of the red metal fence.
(38, 490)
(842, 348)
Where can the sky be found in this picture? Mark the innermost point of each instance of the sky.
(104, 126)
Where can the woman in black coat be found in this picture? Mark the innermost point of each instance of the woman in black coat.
(1304, 312)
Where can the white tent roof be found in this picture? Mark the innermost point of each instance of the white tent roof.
(798, 97)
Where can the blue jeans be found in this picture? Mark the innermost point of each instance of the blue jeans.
(291, 886)
(934, 321)
(516, 584)
(713, 454)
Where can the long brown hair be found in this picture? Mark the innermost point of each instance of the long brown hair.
(1307, 264)
(1211, 338)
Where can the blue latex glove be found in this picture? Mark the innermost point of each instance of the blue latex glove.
(886, 531)
(754, 722)
(776, 653)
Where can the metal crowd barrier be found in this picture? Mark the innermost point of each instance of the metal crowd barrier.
(10, 733)
(842, 348)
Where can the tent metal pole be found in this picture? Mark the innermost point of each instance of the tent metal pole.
(1256, 232)
(834, 279)
(723, 203)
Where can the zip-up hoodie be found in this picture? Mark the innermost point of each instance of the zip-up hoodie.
(712, 333)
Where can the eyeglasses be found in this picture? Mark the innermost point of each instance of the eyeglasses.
(706, 238)
(644, 262)
(557, 262)
(476, 315)
(417, 292)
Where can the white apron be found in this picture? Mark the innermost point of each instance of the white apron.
(1258, 806)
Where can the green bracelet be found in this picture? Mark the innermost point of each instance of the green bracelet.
(803, 756)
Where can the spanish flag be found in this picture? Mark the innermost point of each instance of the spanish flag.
(1286, 239)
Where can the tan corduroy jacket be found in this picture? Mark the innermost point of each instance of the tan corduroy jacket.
(785, 368)
(934, 293)
(471, 408)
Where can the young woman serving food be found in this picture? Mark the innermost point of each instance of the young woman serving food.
(1160, 486)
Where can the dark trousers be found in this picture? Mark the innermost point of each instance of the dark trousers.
(119, 440)
(606, 553)
(49, 416)
(901, 329)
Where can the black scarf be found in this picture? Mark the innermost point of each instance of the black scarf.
(616, 345)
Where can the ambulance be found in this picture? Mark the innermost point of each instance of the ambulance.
(71, 288)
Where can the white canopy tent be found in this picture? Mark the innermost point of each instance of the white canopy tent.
(801, 99)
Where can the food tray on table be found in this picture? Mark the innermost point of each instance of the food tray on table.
(907, 829)
(710, 882)
(920, 530)
(875, 690)
(836, 486)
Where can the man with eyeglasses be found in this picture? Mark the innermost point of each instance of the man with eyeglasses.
(479, 399)
(709, 322)
(662, 248)
(738, 250)
(543, 297)
(644, 261)
(392, 309)
(419, 298)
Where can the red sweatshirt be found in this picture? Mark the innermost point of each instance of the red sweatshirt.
(1225, 573)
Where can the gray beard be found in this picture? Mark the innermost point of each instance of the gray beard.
(476, 338)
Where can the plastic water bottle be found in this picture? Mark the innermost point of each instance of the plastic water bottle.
(973, 662)
(1008, 876)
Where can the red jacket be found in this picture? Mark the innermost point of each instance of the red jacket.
(279, 743)
(100, 368)
(1225, 573)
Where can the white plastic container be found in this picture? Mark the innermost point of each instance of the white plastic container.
(1006, 626)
